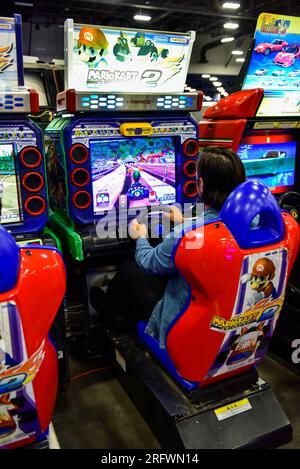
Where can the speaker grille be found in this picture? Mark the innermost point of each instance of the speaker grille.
(80, 177)
(30, 157)
(35, 205)
(33, 182)
(82, 199)
(190, 147)
(79, 153)
(190, 189)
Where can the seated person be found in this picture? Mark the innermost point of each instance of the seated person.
(150, 288)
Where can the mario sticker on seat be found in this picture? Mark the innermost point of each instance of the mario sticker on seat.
(18, 415)
(258, 303)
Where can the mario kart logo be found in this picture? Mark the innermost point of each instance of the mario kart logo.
(98, 76)
(263, 311)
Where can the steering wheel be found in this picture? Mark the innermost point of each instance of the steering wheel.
(290, 201)
(158, 226)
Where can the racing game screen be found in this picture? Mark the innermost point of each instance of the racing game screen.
(133, 172)
(273, 164)
(9, 196)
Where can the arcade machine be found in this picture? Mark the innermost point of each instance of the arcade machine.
(261, 123)
(124, 140)
(115, 153)
(28, 358)
(23, 186)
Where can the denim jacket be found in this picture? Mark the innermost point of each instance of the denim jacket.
(159, 261)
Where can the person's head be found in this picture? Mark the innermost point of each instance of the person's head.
(219, 172)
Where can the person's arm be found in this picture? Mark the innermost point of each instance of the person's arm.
(158, 260)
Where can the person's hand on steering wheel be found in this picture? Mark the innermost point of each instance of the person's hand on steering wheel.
(137, 230)
(175, 215)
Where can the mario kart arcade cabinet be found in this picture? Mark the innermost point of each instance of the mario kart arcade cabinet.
(112, 152)
(261, 123)
(23, 185)
(124, 140)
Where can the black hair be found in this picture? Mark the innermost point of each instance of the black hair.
(222, 171)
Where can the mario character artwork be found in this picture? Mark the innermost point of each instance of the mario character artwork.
(92, 47)
(263, 273)
(246, 343)
(5, 59)
(249, 328)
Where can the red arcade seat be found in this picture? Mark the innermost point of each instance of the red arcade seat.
(32, 286)
(237, 267)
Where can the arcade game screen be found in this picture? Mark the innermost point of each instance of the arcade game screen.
(273, 164)
(9, 196)
(133, 172)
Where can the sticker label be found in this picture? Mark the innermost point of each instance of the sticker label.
(121, 361)
(230, 410)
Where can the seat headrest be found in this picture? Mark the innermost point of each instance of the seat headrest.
(9, 261)
(253, 216)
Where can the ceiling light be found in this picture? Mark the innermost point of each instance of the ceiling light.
(231, 5)
(237, 52)
(142, 17)
(227, 39)
(205, 75)
(217, 83)
(240, 59)
(208, 98)
(220, 89)
(231, 25)
(24, 4)
(213, 79)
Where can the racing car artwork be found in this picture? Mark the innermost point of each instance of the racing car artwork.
(288, 57)
(277, 45)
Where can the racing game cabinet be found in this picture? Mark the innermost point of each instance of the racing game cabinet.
(237, 267)
(28, 358)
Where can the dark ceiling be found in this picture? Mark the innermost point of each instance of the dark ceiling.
(204, 16)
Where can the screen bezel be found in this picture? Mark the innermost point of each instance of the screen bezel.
(263, 139)
(19, 198)
(106, 211)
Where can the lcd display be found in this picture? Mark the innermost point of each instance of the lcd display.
(272, 163)
(133, 172)
(9, 196)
